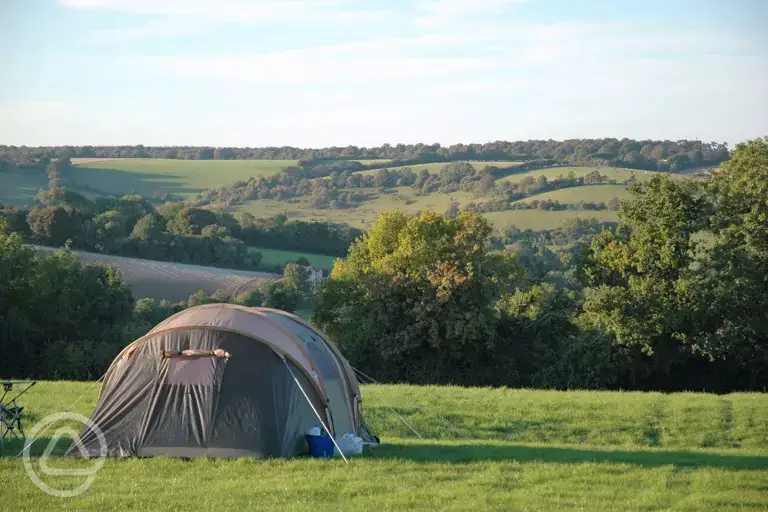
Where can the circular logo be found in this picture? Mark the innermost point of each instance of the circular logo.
(64, 430)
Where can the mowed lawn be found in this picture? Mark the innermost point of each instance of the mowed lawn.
(152, 177)
(482, 449)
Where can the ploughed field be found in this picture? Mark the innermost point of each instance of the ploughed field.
(174, 281)
(482, 449)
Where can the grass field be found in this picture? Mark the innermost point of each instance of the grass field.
(280, 257)
(483, 449)
(183, 178)
(19, 187)
(587, 193)
(364, 215)
(174, 281)
(435, 167)
(619, 174)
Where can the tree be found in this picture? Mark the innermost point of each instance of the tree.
(58, 316)
(149, 227)
(415, 297)
(453, 210)
(54, 225)
(279, 295)
(296, 277)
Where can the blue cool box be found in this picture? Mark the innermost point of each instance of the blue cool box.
(320, 447)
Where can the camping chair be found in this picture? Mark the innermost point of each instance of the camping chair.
(10, 411)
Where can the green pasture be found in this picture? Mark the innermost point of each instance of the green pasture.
(18, 187)
(402, 198)
(587, 193)
(434, 168)
(482, 449)
(620, 174)
(281, 257)
(541, 219)
(154, 176)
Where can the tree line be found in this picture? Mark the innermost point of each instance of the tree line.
(637, 154)
(673, 297)
(131, 226)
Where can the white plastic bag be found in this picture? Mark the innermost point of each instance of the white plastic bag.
(315, 431)
(350, 444)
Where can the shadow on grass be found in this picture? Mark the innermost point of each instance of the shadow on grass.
(459, 454)
(116, 182)
(435, 452)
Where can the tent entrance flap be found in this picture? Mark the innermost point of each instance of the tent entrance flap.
(182, 410)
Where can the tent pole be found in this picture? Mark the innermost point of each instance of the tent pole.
(314, 410)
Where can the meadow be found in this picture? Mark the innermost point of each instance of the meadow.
(403, 198)
(481, 449)
(587, 193)
(434, 168)
(152, 177)
(20, 186)
(182, 178)
(281, 257)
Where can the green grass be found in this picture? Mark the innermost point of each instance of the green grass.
(587, 193)
(18, 187)
(434, 168)
(364, 215)
(280, 257)
(484, 449)
(184, 178)
(617, 173)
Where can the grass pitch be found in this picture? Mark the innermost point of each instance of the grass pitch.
(483, 449)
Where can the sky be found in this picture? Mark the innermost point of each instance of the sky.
(316, 73)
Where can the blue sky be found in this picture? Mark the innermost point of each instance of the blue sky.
(339, 72)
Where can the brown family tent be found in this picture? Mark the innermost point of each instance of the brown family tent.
(221, 380)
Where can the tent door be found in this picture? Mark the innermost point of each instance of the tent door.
(180, 417)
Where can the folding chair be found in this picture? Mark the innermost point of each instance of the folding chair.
(10, 412)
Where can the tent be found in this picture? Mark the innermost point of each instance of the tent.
(221, 380)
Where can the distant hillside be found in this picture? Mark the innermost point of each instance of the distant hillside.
(637, 154)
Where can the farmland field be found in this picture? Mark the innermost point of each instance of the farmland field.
(173, 281)
(540, 219)
(154, 176)
(587, 193)
(364, 215)
(20, 186)
(483, 449)
(434, 168)
(617, 173)
(280, 257)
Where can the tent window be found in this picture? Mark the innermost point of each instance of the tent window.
(192, 371)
